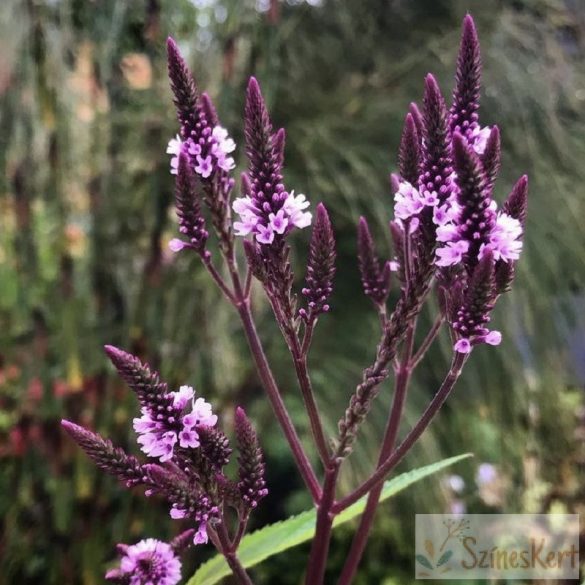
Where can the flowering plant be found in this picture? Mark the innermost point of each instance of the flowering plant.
(450, 241)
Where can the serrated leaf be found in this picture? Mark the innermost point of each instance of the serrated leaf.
(276, 538)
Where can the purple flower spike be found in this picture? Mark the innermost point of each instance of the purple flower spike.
(188, 208)
(111, 459)
(148, 562)
(252, 484)
(320, 266)
(409, 153)
(516, 205)
(470, 319)
(267, 210)
(375, 278)
(464, 117)
(185, 94)
(477, 218)
(437, 168)
(151, 392)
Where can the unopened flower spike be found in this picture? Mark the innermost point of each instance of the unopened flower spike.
(466, 95)
(375, 277)
(110, 459)
(415, 112)
(320, 266)
(491, 157)
(474, 313)
(409, 152)
(188, 208)
(149, 562)
(252, 484)
(432, 204)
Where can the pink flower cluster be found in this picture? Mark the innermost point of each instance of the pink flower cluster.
(208, 154)
(478, 137)
(253, 219)
(158, 439)
(149, 562)
(505, 240)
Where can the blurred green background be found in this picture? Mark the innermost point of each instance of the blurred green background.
(85, 215)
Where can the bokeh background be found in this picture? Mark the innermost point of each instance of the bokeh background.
(85, 216)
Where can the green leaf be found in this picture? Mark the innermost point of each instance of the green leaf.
(276, 538)
(424, 562)
(444, 557)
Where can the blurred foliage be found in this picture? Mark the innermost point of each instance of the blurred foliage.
(85, 214)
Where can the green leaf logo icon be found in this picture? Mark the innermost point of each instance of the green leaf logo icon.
(424, 562)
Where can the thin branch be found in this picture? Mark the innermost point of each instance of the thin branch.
(428, 341)
(218, 278)
(414, 434)
(401, 384)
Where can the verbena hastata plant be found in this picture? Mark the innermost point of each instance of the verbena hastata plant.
(450, 240)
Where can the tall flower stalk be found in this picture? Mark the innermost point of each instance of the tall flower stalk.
(450, 241)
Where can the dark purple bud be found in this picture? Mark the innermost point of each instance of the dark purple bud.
(477, 218)
(209, 110)
(320, 266)
(183, 541)
(436, 167)
(188, 207)
(151, 392)
(474, 312)
(491, 157)
(467, 81)
(278, 145)
(252, 484)
(516, 204)
(185, 94)
(215, 446)
(375, 280)
(505, 273)
(414, 111)
(110, 459)
(409, 153)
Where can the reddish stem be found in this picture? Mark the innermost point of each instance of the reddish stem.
(276, 400)
(320, 546)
